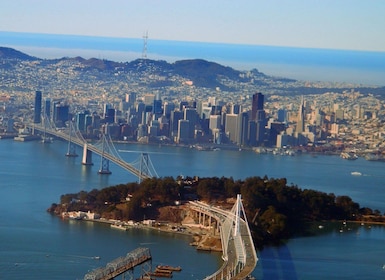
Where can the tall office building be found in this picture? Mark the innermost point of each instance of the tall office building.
(140, 108)
(232, 127)
(191, 115)
(301, 118)
(215, 122)
(282, 115)
(110, 115)
(81, 121)
(175, 116)
(244, 125)
(61, 114)
(37, 112)
(131, 98)
(236, 109)
(183, 131)
(168, 107)
(256, 105)
(47, 108)
(148, 99)
(157, 106)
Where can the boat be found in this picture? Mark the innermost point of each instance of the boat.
(356, 173)
(169, 268)
(160, 274)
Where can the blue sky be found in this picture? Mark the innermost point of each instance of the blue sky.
(333, 24)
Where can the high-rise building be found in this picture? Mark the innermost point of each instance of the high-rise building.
(300, 128)
(61, 114)
(140, 108)
(37, 112)
(215, 122)
(244, 124)
(47, 108)
(236, 109)
(282, 115)
(131, 98)
(157, 106)
(149, 99)
(81, 121)
(183, 131)
(256, 105)
(190, 114)
(168, 107)
(110, 115)
(175, 116)
(232, 127)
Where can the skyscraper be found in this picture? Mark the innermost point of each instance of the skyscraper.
(257, 105)
(301, 118)
(232, 127)
(37, 113)
(47, 107)
(157, 106)
(190, 114)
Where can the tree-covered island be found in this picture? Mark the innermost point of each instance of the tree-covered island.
(275, 210)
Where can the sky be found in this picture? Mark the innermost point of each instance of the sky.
(331, 24)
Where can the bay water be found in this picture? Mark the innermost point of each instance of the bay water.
(37, 245)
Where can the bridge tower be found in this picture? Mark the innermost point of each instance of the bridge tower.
(144, 166)
(71, 150)
(87, 155)
(104, 162)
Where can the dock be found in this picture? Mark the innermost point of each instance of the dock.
(120, 265)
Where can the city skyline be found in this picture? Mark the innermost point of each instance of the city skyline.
(326, 24)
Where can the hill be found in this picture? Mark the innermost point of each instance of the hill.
(202, 73)
(9, 53)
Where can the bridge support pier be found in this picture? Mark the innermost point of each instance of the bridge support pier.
(71, 152)
(87, 156)
(104, 166)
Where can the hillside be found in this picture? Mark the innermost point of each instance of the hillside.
(9, 53)
(202, 73)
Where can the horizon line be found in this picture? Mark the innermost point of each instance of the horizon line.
(190, 42)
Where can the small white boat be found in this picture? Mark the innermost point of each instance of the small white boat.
(356, 173)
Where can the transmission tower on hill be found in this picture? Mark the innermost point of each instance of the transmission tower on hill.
(144, 52)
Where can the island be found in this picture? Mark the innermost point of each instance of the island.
(275, 210)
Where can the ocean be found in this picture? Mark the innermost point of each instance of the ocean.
(357, 67)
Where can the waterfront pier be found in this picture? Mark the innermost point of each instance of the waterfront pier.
(123, 266)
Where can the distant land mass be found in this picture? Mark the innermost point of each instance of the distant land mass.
(201, 73)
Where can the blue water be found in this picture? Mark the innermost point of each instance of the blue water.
(36, 245)
(298, 63)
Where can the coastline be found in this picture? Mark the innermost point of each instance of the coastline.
(202, 239)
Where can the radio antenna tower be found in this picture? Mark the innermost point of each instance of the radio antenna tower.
(144, 52)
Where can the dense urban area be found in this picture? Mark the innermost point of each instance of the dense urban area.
(196, 103)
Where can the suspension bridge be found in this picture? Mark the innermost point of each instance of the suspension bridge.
(141, 167)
